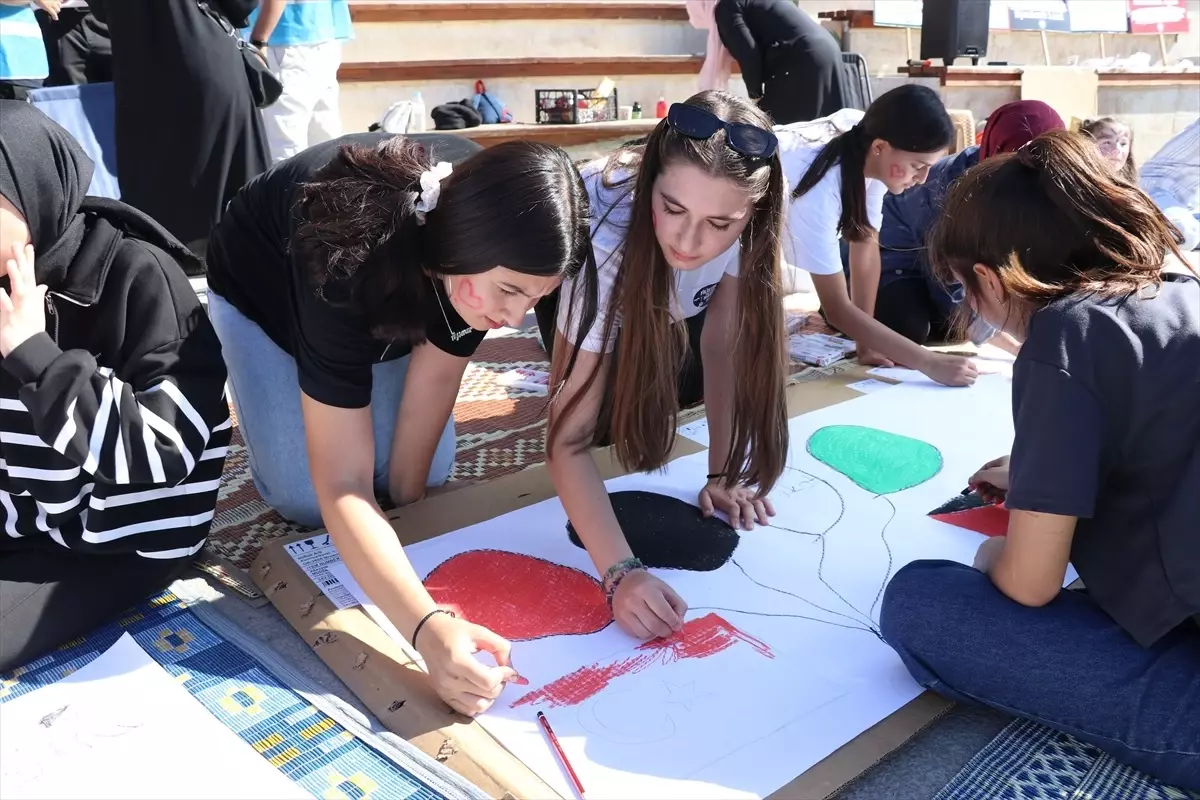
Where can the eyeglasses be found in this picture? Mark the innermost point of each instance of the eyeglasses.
(696, 123)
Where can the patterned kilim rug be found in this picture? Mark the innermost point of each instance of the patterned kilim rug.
(1028, 761)
(499, 430)
(305, 744)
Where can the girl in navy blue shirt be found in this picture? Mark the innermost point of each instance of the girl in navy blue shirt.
(1067, 257)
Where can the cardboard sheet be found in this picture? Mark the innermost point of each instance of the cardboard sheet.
(386, 676)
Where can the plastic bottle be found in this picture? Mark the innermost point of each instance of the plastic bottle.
(660, 110)
(637, 110)
(416, 123)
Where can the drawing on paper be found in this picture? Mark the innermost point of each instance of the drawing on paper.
(878, 461)
(700, 638)
(518, 596)
(974, 514)
(667, 533)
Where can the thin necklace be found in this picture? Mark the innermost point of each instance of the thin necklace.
(454, 335)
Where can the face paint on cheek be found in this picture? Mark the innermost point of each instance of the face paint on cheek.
(896, 171)
(466, 295)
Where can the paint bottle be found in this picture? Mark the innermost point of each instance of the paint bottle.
(660, 110)
(637, 110)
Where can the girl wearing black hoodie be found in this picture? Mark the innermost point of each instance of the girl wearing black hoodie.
(113, 420)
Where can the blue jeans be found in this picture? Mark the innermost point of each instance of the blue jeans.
(1066, 665)
(266, 396)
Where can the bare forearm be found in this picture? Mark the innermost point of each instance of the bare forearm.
(870, 333)
(718, 403)
(372, 552)
(1006, 343)
(417, 437)
(584, 498)
(865, 268)
(269, 13)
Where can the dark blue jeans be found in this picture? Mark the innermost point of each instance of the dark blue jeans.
(1066, 665)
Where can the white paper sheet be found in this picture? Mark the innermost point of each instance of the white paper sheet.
(696, 430)
(314, 557)
(121, 727)
(741, 722)
(868, 385)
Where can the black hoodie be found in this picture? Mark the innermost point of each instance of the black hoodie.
(114, 424)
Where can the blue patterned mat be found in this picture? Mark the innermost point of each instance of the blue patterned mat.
(306, 745)
(1028, 761)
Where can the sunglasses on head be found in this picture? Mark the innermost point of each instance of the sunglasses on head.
(696, 123)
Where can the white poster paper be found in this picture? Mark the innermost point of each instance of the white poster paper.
(781, 662)
(121, 728)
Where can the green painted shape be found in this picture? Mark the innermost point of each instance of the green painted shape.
(878, 461)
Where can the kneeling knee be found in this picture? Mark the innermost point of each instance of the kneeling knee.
(915, 596)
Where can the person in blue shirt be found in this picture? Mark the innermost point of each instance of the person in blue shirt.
(23, 62)
(911, 301)
(301, 41)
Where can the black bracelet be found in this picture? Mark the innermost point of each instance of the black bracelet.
(714, 475)
(424, 619)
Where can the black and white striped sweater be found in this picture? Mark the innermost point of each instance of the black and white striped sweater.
(114, 424)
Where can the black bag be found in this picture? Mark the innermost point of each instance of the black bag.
(265, 86)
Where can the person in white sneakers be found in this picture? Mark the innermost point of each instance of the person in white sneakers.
(301, 41)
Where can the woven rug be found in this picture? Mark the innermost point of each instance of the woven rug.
(499, 431)
(1028, 761)
(309, 747)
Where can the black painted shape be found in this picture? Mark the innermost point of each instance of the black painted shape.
(667, 533)
(959, 503)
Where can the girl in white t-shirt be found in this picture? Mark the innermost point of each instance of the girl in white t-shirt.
(685, 227)
(888, 149)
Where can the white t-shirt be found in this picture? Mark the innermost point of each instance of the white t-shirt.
(693, 288)
(811, 242)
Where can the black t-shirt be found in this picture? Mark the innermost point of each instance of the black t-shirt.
(250, 265)
(1106, 405)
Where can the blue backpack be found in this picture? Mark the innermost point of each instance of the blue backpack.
(491, 108)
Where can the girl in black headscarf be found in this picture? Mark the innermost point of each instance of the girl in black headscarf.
(113, 419)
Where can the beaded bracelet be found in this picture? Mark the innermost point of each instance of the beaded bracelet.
(424, 619)
(617, 572)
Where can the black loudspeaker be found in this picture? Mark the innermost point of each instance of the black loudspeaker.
(953, 29)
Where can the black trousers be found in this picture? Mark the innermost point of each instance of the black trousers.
(691, 377)
(906, 307)
(50, 595)
(77, 46)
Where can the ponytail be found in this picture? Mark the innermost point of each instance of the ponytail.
(359, 237)
(849, 150)
(519, 204)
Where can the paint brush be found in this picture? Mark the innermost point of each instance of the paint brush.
(545, 723)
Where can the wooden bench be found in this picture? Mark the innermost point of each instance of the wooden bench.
(488, 68)
(559, 135)
(460, 10)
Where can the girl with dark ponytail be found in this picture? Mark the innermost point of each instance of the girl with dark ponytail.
(1067, 257)
(350, 285)
(842, 167)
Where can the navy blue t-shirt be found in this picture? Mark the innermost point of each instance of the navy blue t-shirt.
(1106, 406)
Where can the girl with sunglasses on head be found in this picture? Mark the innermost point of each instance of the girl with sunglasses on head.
(1068, 258)
(842, 167)
(685, 230)
(350, 285)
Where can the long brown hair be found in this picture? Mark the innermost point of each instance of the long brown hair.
(1093, 127)
(642, 406)
(1052, 220)
(910, 118)
(521, 205)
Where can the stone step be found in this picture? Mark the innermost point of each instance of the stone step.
(446, 29)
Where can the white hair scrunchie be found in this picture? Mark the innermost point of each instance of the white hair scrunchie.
(431, 189)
